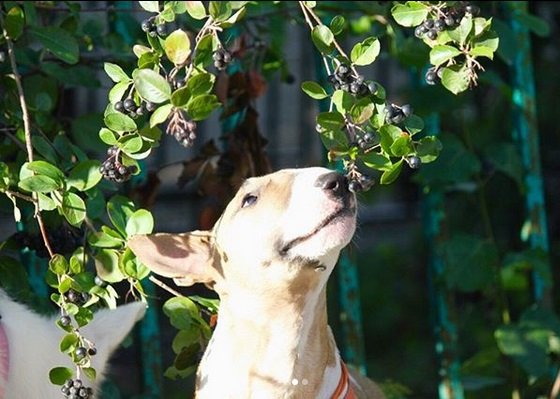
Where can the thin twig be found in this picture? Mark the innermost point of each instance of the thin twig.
(310, 24)
(20, 195)
(164, 286)
(15, 140)
(26, 128)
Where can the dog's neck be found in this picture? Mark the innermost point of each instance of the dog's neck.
(281, 348)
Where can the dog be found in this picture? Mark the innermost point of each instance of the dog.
(29, 347)
(269, 257)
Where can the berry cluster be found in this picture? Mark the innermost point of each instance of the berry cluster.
(359, 182)
(343, 79)
(366, 140)
(75, 389)
(222, 58)
(112, 169)
(182, 129)
(63, 240)
(151, 28)
(448, 18)
(77, 298)
(129, 107)
(433, 75)
(396, 114)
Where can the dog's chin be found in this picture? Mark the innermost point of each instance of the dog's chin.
(326, 240)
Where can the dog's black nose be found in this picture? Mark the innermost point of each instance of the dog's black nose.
(334, 183)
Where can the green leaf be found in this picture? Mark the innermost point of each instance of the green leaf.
(366, 52)
(391, 174)
(343, 101)
(196, 9)
(470, 262)
(45, 202)
(505, 157)
(482, 51)
(455, 78)
(118, 91)
(236, 17)
(44, 148)
(200, 107)
(204, 51)
(331, 120)
(160, 114)
(362, 110)
(58, 41)
(115, 72)
(440, 54)
(130, 144)
(181, 311)
(428, 149)
(85, 175)
(462, 32)
(90, 373)
(46, 169)
(152, 86)
(188, 357)
(201, 83)
(39, 184)
(314, 90)
(323, 39)
(102, 239)
(73, 208)
(401, 146)
(83, 317)
(376, 161)
(180, 97)
(151, 6)
(337, 25)
(485, 46)
(59, 375)
(58, 264)
(69, 342)
(177, 47)
(389, 133)
(120, 122)
(412, 13)
(119, 209)
(107, 266)
(132, 267)
(13, 22)
(413, 124)
(140, 222)
(107, 136)
(220, 10)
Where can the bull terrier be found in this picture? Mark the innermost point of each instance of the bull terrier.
(269, 257)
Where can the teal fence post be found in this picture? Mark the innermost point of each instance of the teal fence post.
(152, 369)
(353, 349)
(445, 331)
(526, 136)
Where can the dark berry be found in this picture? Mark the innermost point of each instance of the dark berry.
(129, 105)
(472, 9)
(77, 383)
(432, 34)
(449, 21)
(161, 30)
(80, 353)
(150, 106)
(355, 186)
(343, 70)
(431, 76)
(85, 296)
(372, 87)
(146, 25)
(407, 110)
(72, 296)
(419, 31)
(119, 106)
(65, 321)
(439, 25)
(227, 57)
(354, 88)
(414, 162)
(92, 351)
(429, 23)
(180, 83)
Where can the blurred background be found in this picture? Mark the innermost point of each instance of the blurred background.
(439, 256)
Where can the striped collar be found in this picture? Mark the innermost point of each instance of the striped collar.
(344, 390)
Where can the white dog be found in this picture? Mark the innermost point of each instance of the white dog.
(269, 257)
(29, 347)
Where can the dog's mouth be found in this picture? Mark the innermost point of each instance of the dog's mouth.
(341, 213)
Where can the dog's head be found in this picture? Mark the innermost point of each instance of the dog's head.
(278, 229)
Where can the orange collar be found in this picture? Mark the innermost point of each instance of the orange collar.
(344, 390)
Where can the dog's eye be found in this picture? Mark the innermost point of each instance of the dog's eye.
(248, 200)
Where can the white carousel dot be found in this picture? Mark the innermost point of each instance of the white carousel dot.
(304, 382)
(295, 381)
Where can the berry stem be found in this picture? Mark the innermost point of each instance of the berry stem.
(26, 127)
(305, 10)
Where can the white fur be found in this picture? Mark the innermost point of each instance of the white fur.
(34, 346)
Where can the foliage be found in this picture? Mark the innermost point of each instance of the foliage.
(169, 81)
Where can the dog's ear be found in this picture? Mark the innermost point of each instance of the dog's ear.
(187, 258)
